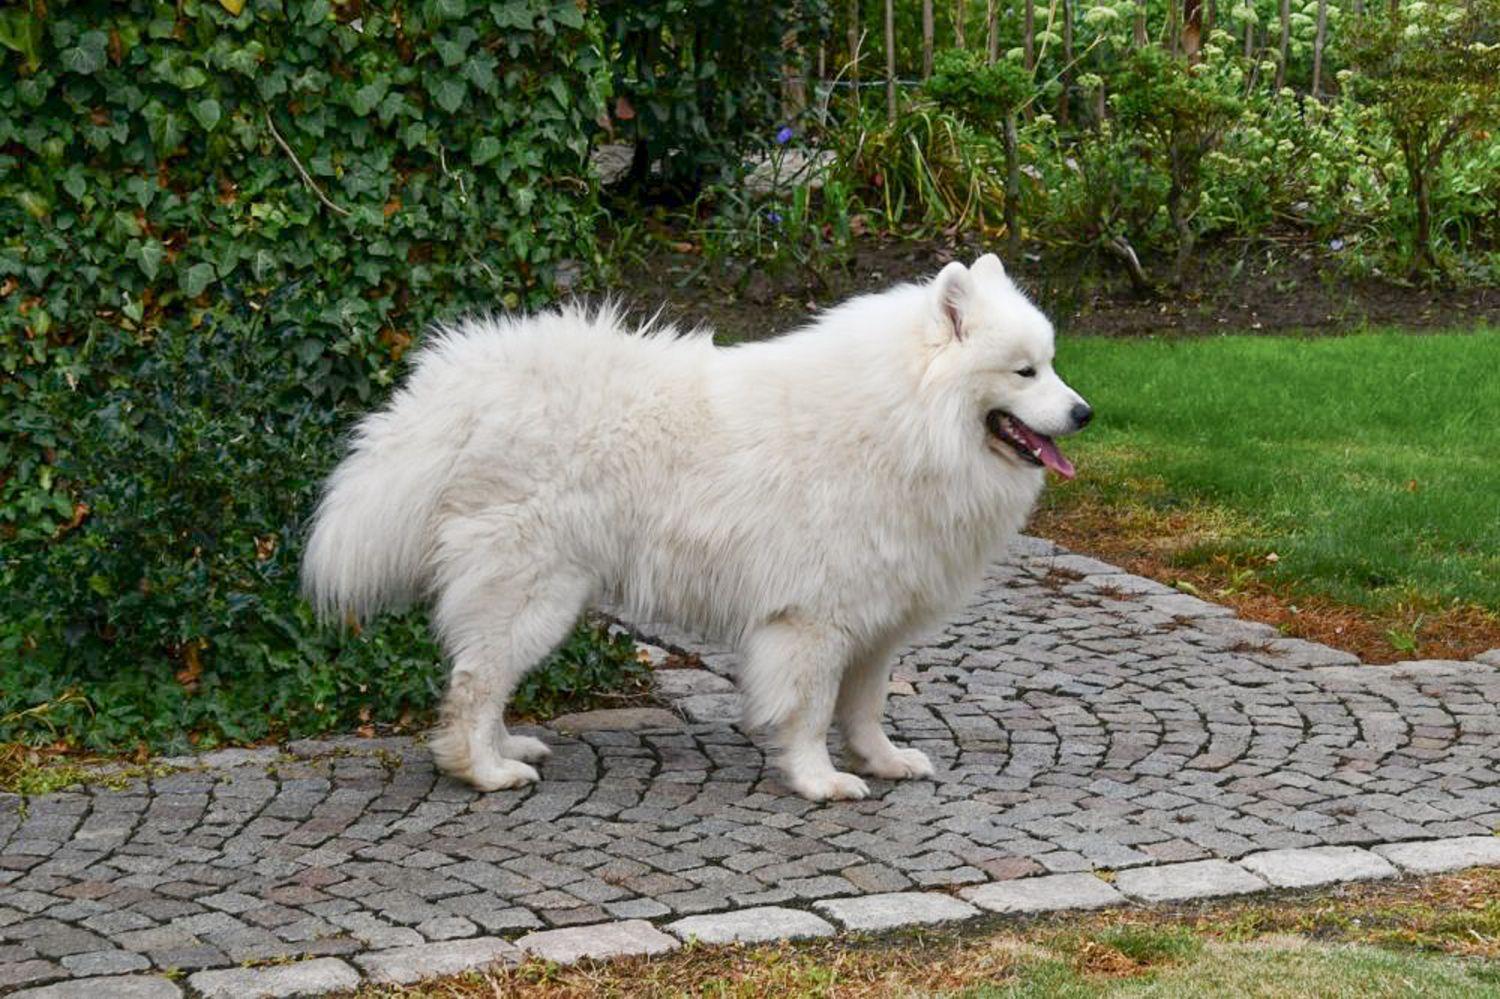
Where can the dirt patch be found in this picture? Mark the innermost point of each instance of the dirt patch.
(1279, 286)
(1147, 543)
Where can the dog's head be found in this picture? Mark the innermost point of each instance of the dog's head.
(992, 355)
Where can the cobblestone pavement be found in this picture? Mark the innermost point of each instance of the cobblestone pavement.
(1080, 718)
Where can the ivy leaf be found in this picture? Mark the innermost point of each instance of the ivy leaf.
(191, 78)
(448, 92)
(517, 14)
(21, 32)
(74, 183)
(89, 55)
(149, 257)
(568, 14)
(197, 279)
(233, 6)
(367, 97)
(207, 112)
(485, 149)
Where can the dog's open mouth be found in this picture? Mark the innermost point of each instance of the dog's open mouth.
(1036, 448)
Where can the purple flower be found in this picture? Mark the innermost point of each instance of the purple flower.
(784, 135)
(773, 216)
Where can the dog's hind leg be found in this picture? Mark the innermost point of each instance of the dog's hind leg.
(861, 706)
(498, 617)
(790, 682)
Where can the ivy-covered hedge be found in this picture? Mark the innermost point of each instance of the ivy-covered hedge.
(221, 224)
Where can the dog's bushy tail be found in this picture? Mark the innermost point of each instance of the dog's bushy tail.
(371, 535)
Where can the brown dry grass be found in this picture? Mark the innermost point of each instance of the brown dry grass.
(1151, 543)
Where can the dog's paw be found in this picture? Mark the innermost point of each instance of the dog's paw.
(832, 786)
(524, 748)
(501, 775)
(899, 764)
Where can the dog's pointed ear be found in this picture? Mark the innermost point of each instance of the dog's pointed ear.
(988, 266)
(952, 294)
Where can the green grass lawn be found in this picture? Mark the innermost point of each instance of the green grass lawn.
(1370, 464)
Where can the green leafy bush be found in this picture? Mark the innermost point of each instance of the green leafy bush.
(218, 234)
(696, 81)
(1178, 113)
(1428, 72)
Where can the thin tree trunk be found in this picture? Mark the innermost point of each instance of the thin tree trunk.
(1424, 217)
(890, 60)
(1012, 146)
(1141, 38)
(1318, 40)
(1249, 38)
(1174, 28)
(926, 38)
(1192, 29)
(793, 76)
(1028, 27)
(1210, 17)
(958, 24)
(853, 28)
(1285, 45)
(1063, 104)
(991, 31)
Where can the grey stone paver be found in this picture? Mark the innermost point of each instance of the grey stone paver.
(412, 964)
(1181, 882)
(1078, 719)
(1309, 867)
(626, 938)
(756, 925)
(616, 720)
(875, 913)
(1044, 894)
(1436, 856)
(306, 978)
(106, 987)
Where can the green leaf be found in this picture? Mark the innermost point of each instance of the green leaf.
(74, 183)
(367, 97)
(568, 14)
(486, 148)
(21, 32)
(448, 92)
(197, 279)
(149, 256)
(191, 78)
(89, 55)
(207, 113)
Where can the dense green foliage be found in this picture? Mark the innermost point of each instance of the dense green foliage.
(1132, 148)
(218, 233)
(1365, 462)
(695, 81)
(1431, 73)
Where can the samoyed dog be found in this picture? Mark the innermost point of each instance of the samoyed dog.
(815, 499)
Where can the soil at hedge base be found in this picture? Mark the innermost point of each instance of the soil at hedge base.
(1263, 288)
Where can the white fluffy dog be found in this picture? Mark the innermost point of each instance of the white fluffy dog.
(815, 499)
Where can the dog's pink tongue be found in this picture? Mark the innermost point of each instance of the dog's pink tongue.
(1055, 459)
(1047, 451)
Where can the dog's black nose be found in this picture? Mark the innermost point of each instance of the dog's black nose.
(1082, 414)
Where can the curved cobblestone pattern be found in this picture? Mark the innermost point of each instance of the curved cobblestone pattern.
(1079, 718)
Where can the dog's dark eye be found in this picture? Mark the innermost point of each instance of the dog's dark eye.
(1027, 372)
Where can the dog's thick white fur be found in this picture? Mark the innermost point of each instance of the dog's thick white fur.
(815, 498)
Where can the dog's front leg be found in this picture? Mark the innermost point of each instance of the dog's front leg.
(790, 684)
(861, 706)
